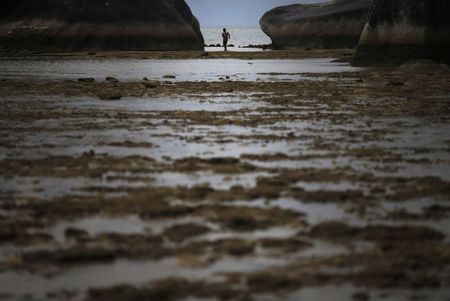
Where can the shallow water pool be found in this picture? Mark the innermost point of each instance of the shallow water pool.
(183, 70)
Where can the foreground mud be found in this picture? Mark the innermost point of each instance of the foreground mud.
(300, 190)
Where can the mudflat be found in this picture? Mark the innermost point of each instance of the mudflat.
(283, 188)
(268, 54)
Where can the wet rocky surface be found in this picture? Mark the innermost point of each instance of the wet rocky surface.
(227, 190)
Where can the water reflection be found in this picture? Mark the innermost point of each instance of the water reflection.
(184, 70)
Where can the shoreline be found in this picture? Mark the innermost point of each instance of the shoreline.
(269, 54)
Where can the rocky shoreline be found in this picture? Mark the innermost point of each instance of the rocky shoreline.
(343, 54)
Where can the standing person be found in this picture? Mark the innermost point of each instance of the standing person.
(226, 36)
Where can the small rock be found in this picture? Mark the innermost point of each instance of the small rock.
(169, 76)
(179, 233)
(90, 153)
(110, 95)
(81, 254)
(149, 85)
(86, 80)
(111, 79)
(73, 233)
(396, 83)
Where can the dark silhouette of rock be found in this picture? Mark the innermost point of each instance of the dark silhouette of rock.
(334, 24)
(112, 80)
(403, 30)
(150, 84)
(86, 80)
(95, 25)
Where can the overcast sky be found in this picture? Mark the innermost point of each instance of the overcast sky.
(235, 12)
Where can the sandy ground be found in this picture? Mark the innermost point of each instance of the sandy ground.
(331, 189)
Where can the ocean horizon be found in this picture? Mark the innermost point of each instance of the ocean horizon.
(240, 35)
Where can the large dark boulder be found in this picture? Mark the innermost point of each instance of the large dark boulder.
(93, 25)
(401, 30)
(334, 24)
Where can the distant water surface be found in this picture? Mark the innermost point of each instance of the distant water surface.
(240, 35)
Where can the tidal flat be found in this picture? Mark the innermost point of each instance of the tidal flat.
(309, 184)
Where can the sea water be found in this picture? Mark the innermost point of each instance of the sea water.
(240, 35)
(183, 70)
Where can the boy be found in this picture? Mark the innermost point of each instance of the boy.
(226, 36)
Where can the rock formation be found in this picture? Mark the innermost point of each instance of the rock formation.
(335, 24)
(401, 30)
(94, 25)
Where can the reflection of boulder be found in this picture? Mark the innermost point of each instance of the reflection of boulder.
(335, 24)
(73, 25)
(401, 30)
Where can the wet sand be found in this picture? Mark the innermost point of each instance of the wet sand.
(299, 189)
(233, 54)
